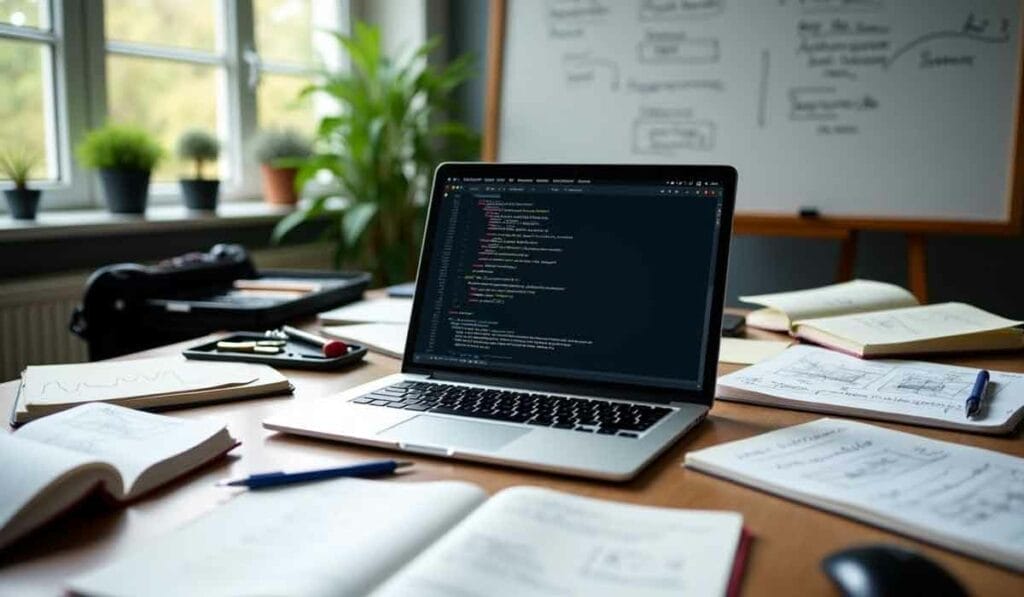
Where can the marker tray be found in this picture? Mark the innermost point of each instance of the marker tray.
(294, 355)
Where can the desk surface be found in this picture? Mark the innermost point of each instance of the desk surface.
(790, 539)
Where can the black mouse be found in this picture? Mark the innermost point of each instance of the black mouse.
(884, 570)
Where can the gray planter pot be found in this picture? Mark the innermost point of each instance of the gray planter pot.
(22, 203)
(200, 194)
(126, 191)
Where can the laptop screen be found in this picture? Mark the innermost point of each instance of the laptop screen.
(599, 276)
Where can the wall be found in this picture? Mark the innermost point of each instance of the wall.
(981, 270)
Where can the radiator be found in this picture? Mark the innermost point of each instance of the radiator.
(34, 313)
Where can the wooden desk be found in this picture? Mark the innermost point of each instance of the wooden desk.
(790, 539)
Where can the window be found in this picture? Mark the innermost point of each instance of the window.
(227, 66)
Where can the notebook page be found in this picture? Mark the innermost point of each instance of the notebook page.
(131, 440)
(340, 537)
(384, 310)
(88, 382)
(818, 377)
(847, 297)
(911, 324)
(963, 498)
(528, 541)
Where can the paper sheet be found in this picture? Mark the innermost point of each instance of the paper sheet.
(747, 352)
(340, 537)
(963, 498)
(384, 310)
(385, 338)
(529, 541)
(847, 297)
(911, 388)
(912, 324)
(88, 382)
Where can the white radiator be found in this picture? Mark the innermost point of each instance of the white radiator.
(34, 313)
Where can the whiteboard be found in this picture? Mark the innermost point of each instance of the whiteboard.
(883, 109)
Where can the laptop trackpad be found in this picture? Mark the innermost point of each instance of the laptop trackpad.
(425, 430)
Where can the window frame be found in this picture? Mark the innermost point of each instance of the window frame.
(78, 53)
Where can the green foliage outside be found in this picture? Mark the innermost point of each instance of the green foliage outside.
(198, 146)
(21, 102)
(382, 150)
(119, 147)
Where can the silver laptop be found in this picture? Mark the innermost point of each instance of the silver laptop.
(566, 319)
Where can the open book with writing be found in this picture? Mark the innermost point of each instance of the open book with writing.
(959, 497)
(141, 383)
(874, 319)
(50, 464)
(354, 537)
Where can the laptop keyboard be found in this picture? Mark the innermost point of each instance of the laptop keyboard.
(559, 412)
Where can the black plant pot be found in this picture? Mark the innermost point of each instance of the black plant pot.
(200, 194)
(126, 191)
(22, 203)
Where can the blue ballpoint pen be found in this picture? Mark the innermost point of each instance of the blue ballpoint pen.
(276, 478)
(973, 404)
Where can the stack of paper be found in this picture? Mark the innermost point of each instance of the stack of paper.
(381, 325)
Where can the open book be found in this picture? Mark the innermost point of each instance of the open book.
(915, 392)
(354, 537)
(873, 319)
(141, 383)
(963, 498)
(50, 464)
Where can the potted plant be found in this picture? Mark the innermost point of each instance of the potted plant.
(382, 150)
(279, 153)
(125, 157)
(21, 200)
(199, 147)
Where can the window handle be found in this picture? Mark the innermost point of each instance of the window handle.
(253, 65)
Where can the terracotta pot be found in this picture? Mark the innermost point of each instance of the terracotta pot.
(279, 185)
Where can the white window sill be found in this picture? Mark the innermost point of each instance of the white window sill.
(96, 222)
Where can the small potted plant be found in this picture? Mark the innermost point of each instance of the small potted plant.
(21, 200)
(280, 152)
(125, 157)
(199, 147)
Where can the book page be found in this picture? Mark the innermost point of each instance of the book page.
(340, 537)
(848, 297)
(963, 498)
(912, 324)
(529, 541)
(131, 440)
(913, 389)
(27, 469)
(385, 338)
(383, 310)
(88, 382)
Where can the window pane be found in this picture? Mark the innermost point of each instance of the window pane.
(23, 98)
(284, 30)
(25, 13)
(279, 106)
(166, 99)
(184, 23)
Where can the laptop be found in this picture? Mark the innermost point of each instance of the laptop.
(566, 318)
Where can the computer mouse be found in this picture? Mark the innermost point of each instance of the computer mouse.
(884, 570)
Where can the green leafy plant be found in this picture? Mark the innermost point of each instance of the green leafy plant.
(119, 147)
(199, 147)
(383, 146)
(285, 147)
(17, 166)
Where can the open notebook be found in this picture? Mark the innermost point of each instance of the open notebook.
(50, 464)
(915, 392)
(353, 537)
(874, 319)
(141, 383)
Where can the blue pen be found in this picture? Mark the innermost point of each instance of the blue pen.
(977, 393)
(276, 478)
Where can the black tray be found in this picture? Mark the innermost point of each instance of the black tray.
(295, 355)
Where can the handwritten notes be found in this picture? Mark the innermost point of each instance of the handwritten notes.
(965, 499)
(813, 378)
(530, 542)
(88, 382)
